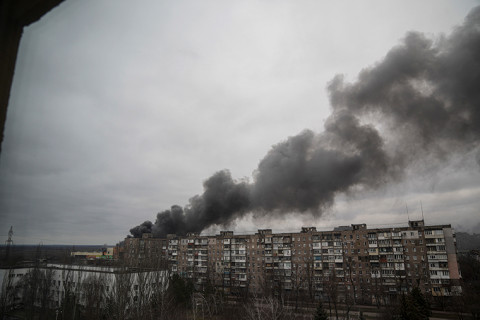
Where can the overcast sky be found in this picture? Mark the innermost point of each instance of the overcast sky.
(118, 111)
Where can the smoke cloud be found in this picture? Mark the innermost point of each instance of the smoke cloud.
(145, 227)
(421, 101)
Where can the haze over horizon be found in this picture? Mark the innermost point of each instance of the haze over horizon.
(118, 112)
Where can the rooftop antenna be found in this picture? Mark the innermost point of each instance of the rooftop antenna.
(408, 214)
(421, 206)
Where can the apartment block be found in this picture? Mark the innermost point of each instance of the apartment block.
(146, 251)
(353, 262)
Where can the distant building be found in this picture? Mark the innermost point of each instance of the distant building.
(367, 264)
(105, 254)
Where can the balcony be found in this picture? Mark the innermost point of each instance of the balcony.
(437, 257)
(201, 269)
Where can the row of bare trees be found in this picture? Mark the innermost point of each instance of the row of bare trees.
(144, 293)
(74, 292)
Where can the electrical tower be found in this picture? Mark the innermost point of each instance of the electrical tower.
(9, 243)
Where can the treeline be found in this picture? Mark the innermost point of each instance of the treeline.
(17, 254)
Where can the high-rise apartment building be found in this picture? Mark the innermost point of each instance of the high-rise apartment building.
(353, 261)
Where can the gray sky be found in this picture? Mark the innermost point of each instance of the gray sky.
(118, 112)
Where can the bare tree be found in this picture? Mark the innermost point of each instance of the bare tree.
(71, 286)
(330, 286)
(350, 293)
(149, 292)
(376, 286)
(213, 295)
(8, 293)
(45, 294)
(162, 300)
(119, 296)
(94, 293)
(200, 305)
(296, 284)
(141, 293)
(309, 276)
(36, 288)
(265, 281)
(36, 291)
(266, 308)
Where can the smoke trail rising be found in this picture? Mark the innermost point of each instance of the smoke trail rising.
(424, 93)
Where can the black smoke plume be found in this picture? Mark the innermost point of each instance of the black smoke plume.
(425, 97)
(145, 227)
